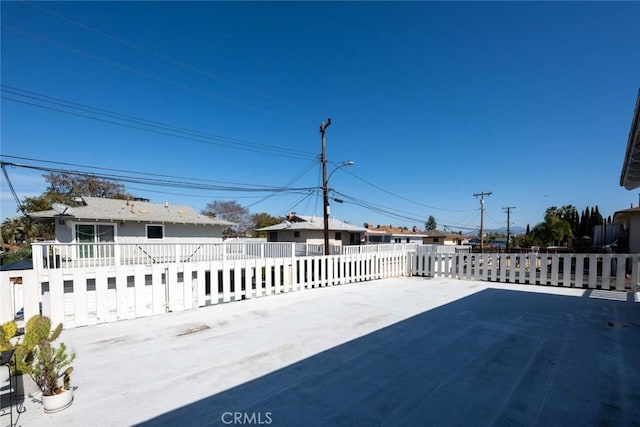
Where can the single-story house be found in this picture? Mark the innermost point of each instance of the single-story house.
(436, 237)
(310, 229)
(391, 234)
(101, 220)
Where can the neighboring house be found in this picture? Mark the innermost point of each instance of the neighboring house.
(391, 234)
(436, 237)
(99, 220)
(629, 219)
(310, 229)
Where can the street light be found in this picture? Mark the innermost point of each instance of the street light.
(325, 192)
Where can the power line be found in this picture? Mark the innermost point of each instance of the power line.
(404, 198)
(116, 170)
(13, 191)
(153, 53)
(142, 73)
(160, 182)
(148, 125)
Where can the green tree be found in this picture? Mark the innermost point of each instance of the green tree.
(261, 220)
(430, 224)
(523, 240)
(553, 230)
(64, 188)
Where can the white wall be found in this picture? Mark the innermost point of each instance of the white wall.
(14, 297)
(133, 232)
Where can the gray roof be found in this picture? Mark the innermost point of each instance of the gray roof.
(96, 208)
(303, 222)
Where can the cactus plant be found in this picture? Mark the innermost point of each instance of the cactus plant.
(44, 362)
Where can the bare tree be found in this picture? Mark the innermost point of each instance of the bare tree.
(230, 211)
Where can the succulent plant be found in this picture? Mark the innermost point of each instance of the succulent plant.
(7, 331)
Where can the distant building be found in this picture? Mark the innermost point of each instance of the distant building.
(436, 237)
(391, 234)
(310, 229)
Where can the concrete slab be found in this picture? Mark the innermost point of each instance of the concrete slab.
(408, 351)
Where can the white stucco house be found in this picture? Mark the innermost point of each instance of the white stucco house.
(310, 229)
(101, 220)
(391, 234)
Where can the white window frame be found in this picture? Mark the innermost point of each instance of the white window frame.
(146, 231)
(74, 233)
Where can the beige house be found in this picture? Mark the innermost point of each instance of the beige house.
(310, 229)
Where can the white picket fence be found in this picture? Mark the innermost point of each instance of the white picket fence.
(114, 282)
(109, 282)
(603, 271)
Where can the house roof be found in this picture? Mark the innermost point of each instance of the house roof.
(620, 216)
(101, 209)
(444, 234)
(395, 231)
(630, 176)
(303, 222)
(18, 265)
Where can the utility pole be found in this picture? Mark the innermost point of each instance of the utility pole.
(508, 211)
(325, 185)
(481, 195)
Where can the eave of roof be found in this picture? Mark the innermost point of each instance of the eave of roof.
(314, 224)
(115, 210)
(630, 175)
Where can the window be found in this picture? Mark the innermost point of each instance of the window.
(436, 239)
(88, 234)
(273, 236)
(338, 236)
(296, 234)
(155, 231)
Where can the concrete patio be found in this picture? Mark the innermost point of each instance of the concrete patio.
(408, 351)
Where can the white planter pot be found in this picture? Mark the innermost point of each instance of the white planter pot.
(57, 402)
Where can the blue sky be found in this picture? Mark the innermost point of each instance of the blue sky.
(434, 102)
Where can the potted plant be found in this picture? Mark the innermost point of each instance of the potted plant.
(46, 364)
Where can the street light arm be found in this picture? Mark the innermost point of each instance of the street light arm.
(349, 163)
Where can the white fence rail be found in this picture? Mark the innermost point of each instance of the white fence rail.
(89, 284)
(110, 282)
(603, 271)
(80, 255)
